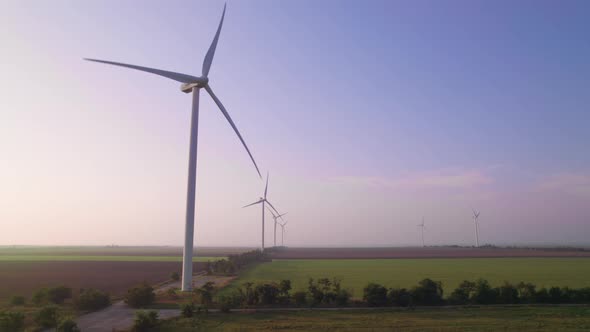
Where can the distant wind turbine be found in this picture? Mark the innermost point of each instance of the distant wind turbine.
(422, 231)
(192, 84)
(263, 201)
(283, 232)
(475, 220)
(276, 217)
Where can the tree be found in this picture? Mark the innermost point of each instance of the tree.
(484, 293)
(463, 293)
(174, 276)
(526, 292)
(428, 292)
(205, 293)
(145, 320)
(507, 293)
(12, 321)
(68, 325)
(47, 317)
(300, 298)
(375, 295)
(187, 310)
(59, 294)
(399, 297)
(92, 299)
(268, 293)
(140, 296)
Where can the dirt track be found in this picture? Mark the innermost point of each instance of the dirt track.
(429, 252)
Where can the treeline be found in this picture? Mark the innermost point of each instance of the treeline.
(234, 263)
(329, 292)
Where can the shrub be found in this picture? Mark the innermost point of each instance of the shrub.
(175, 276)
(187, 310)
(40, 296)
(375, 295)
(342, 297)
(68, 325)
(140, 296)
(172, 292)
(484, 293)
(226, 303)
(300, 298)
(58, 295)
(12, 321)
(144, 320)
(399, 297)
(508, 293)
(267, 293)
(205, 293)
(526, 292)
(555, 295)
(47, 317)
(92, 299)
(17, 300)
(463, 293)
(428, 292)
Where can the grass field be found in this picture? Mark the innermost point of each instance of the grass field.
(355, 274)
(92, 258)
(521, 319)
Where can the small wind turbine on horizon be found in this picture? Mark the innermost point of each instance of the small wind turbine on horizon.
(422, 231)
(276, 217)
(283, 232)
(263, 201)
(192, 84)
(475, 220)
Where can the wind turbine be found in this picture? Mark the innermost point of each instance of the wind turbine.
(283, 232)
(422, 230)
(263, 201)
(276, 217)
(192, 84)
(475, 217)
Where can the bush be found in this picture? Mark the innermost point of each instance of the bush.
(68, 325)
(92, 299)
(526, 292)
(507, 294)
(145, 320)
(399, 297)
(463, 293)
(267, 293)
(12, 321)
(342, 297)
(375, 295)
(40, 296)
(58, 295)
(205, 293)
(226, 303)
(140, 296)
(300, 298)
(47, 317)
(428, 292)
(17, 300)
(175, 276)
(187, 310)
(484, 293)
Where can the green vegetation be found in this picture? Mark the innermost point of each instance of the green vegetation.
(403, 273)
(140, 296)
(520, 319)
(93, 258)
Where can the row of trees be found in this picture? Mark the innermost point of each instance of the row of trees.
(234, 263)
(48, 317)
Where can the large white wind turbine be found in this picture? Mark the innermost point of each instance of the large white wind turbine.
(422, 230)
(263, 201)
(192, 84)
(275, 218)
(475, 217)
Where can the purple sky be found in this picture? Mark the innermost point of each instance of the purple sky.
(368, 115)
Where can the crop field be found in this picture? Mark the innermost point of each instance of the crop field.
(92, 258)
(356, 273)
(521, 319)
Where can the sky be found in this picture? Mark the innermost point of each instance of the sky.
(368, 115)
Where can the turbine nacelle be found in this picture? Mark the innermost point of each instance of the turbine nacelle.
(200, 83)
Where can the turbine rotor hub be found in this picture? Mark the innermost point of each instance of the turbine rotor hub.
(199, 83)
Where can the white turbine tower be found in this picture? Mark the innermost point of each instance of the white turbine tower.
(422, 231)
(192, 84)
(475, 220)
(283, 232)
(263, 201)
(275, 218)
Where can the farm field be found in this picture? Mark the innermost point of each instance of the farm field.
(92, 258)
(520, 319)
(24, 278)
(115, 251)
(356, 273)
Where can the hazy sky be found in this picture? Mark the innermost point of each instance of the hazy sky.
(368, 115)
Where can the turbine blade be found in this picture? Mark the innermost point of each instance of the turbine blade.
(271, 212)
(223, 110)
(269, 203)
(182, 78)
(282, 215)
(266, 187)
(211, 52)
(257, 202)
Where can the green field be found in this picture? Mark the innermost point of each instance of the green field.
(521, 319)
(92, 258)
(355, 274)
